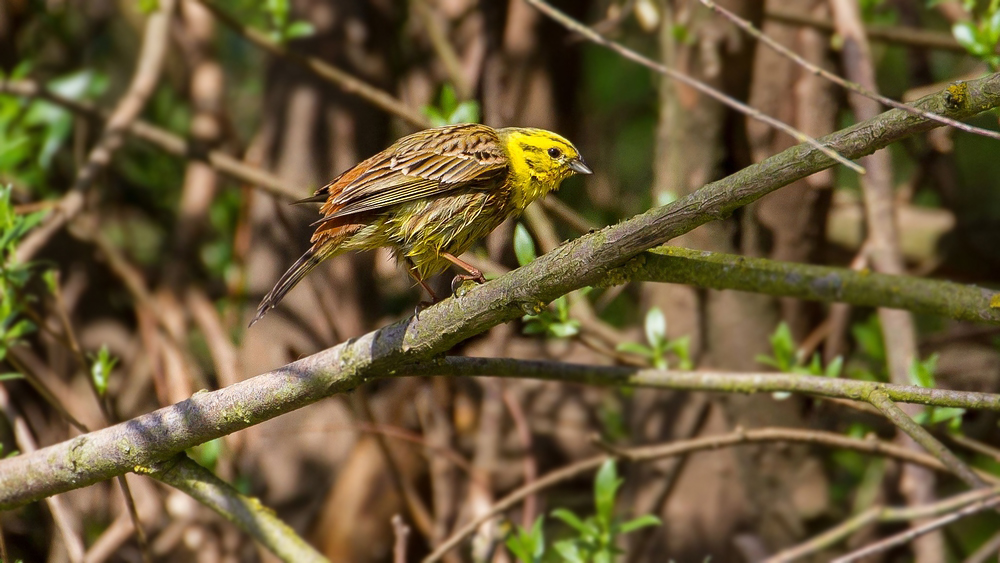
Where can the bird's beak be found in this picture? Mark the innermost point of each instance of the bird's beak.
(579, 166)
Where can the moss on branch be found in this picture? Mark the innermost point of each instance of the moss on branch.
(814, 283)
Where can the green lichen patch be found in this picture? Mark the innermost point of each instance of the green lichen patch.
(956, 95)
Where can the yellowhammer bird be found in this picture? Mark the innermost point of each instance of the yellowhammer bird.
(431, 195)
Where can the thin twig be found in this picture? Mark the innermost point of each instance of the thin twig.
(920, 435)
(415, 506)
(976, 446)
(133, 514)
(915, 532)
(261, 523)
(881, 514)
(155, 41)
(15, 359)
(445, 50)
(60, 512)
(705, 380)
(3, 548)
(110, 540)
(166, 141)
(346, 82)
(74, 342)
(660, 451)
(672, 264)
(846, 84)
(402, 534)
(912, 37)
(530, 465)
(573, 25)
(986, 551)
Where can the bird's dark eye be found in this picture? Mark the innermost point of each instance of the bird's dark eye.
(555, 153)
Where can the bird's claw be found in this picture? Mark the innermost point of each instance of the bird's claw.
(420, 307)
(457, 281)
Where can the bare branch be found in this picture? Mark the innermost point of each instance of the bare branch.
(147, 73)
(590, 34)
(846, 84)
(347, 82)
(920, 435)
(915, 532)
(671, 264)
(880, 514)
(259, 522)
(660, 451)
(910, 36)
(166, 141)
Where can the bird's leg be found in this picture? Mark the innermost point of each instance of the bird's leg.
(474, 273)
(411, 269)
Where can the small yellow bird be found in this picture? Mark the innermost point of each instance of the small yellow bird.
(431, 195)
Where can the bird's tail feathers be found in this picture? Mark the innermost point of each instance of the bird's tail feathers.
(291, 278)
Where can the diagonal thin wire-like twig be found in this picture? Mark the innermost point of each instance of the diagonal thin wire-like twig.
(843, 83)
(590, 34)
(915, 532)
(347, 82)
(881, 514)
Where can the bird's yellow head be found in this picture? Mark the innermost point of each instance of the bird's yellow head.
(539, 161)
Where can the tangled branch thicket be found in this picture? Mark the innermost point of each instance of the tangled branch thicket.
(168, 294)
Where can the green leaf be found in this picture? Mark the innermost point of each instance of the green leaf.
(605, 488)
(20, 328)
(655, 326)
(991, 28)
(921, 373)
(565, 330)
(278, 10)
(299, 29)
(767, 361)
(834, 368)
(207, 454)
(11, 375)
(815, 366)
(100, 369)
(571, 519)
(640, 522)
(967, 35)
(466, 112)
(448, 101)
(869, 338)
(535, 326)
(569, 551)
(783, 346)
(148, 6)
(943, 414)
(524, 246)
(528, 545)
(435, 117)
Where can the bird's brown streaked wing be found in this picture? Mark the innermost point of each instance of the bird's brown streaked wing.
(422, 165)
